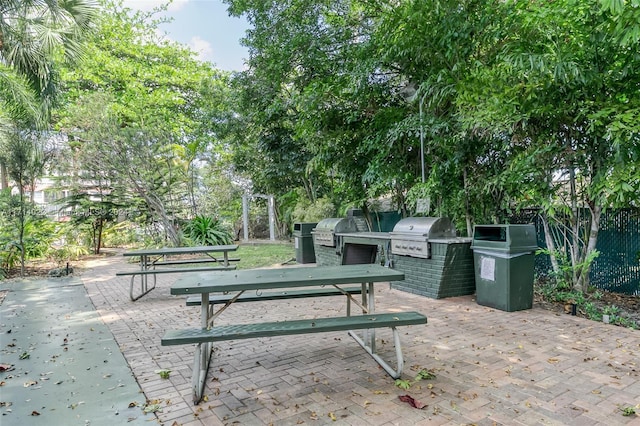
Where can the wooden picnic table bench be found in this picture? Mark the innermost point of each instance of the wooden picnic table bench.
(313, 282)
(150, 258)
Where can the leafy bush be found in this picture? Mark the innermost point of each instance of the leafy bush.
(307, 211)
(589, 304)
(207, 231)
(9, 257)
(39, 235)
(68, 252)
(566, 270)
(123, 234)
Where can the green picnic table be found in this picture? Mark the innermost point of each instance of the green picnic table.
(153, 257)
(234, 285)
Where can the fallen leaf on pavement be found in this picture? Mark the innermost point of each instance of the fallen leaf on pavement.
(411, 401)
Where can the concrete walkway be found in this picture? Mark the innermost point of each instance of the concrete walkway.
(60, 362)
(491, 367)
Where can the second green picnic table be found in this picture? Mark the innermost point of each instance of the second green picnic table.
(165, 256)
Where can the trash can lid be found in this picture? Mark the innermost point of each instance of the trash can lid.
(505, 238)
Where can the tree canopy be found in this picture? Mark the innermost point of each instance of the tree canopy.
(481, 107)
(139, 113)
(511, 105)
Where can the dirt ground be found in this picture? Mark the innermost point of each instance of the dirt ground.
(628, 306)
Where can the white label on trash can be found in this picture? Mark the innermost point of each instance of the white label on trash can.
(488, 268)
(295, 239)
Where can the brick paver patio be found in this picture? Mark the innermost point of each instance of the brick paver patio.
(531, 367)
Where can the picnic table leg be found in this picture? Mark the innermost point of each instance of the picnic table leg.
(144, 265)
(133, 299)
(147, 265)
(144, 279)
(144, 288)
(368, 300)
(395, 373)
(201, 362)
(372, 309)
(368, 342)
(144, 283)
(202, 357)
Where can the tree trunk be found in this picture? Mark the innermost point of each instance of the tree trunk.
(97, 235)
(308, 189)
(192, 189)
(596, 214)
(21, 230)
(574, 242)
(157, 207)
(467, 212)
(4, 176)
(551, 245)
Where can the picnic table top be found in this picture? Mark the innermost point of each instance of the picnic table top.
(264, 279)
(181, 250)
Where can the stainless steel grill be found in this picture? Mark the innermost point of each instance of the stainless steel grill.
(325, 231)
(410, 236)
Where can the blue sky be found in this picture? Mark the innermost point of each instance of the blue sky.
(204, 26)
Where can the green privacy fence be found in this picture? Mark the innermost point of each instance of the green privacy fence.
(384, 221)
(617, 268)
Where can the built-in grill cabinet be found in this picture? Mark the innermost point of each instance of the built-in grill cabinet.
(325, 231)
(410, 236)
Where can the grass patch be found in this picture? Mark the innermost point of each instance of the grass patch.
(265, 254)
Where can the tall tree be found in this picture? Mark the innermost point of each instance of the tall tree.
(32, 34)
(322, 111)
(559, 78)
(432, 46)
(138, 113)
(24, 154)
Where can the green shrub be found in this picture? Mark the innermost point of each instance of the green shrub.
(207, 231)
(68, 252)
(306, 211)
(39, 235)
(124, 234)
(9, 257)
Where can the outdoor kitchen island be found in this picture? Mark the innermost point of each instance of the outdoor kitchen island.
(436, 263)
(365, 247)
(326, 240)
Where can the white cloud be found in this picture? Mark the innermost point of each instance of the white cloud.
(202, 47)
(147, 5)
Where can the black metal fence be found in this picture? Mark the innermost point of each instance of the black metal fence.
(617, 268)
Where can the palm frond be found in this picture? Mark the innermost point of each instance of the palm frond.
(17, 101)
(34, 31)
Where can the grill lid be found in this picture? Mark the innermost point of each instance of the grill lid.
(428, 227)
(337, 225)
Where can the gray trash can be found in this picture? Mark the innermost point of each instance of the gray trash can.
(303, 241)
(504, 257)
